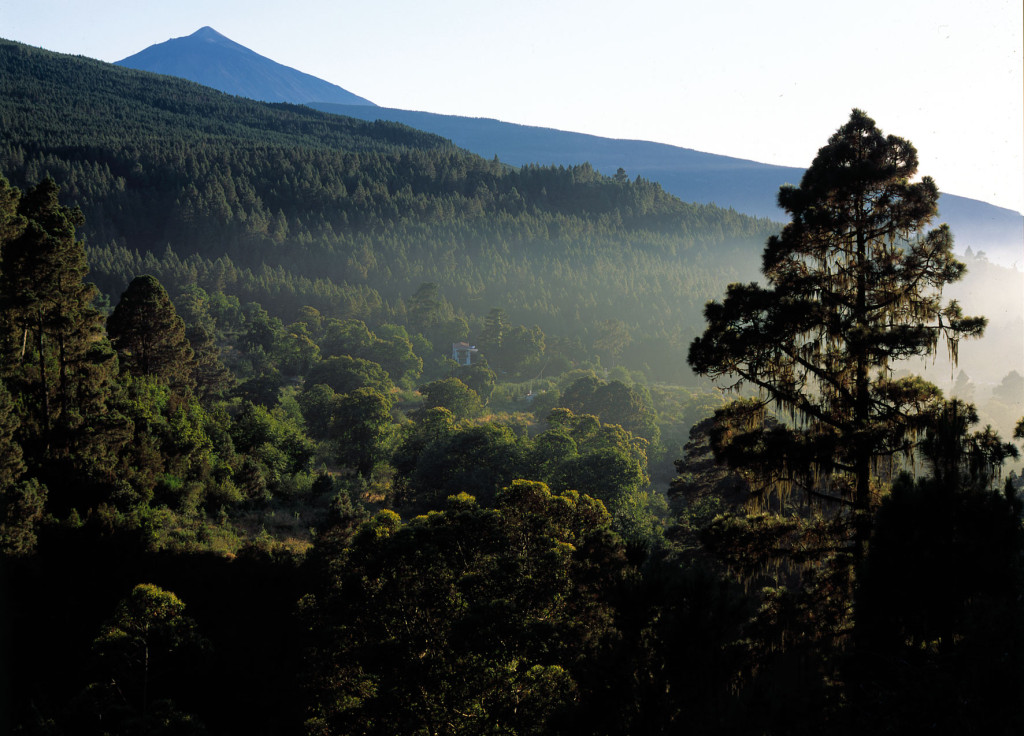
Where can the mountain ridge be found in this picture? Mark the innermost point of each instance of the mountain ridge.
(749, 187)
(349, 216)
(289, 207)
(214, 60)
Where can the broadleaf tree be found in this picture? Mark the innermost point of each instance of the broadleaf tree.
(854, 283)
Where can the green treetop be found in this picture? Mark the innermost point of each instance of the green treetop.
(149, 335)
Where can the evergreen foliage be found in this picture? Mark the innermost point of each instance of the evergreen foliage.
(855, 285)
(231, 420)
(149, 336)
(57, 357)
(290, 207)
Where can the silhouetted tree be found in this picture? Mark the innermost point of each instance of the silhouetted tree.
(1010, 390)
(854, 283)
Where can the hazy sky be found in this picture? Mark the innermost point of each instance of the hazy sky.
(768, 81)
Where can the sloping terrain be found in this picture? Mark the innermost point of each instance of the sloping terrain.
(213, 60)
(746, 186)
(288, 206)
(749, 187)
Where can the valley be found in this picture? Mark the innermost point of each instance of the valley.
(337, 419)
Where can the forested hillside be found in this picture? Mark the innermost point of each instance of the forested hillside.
(253, 480)
(292, 207)
(211, 59)
(693, 176)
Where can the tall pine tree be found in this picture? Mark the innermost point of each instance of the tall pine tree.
(57, 357)
(854, 284)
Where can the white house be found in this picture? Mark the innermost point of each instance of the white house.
(462, 353)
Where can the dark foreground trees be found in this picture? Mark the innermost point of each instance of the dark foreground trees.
(938, 598)
(867, 613)
(466, 621)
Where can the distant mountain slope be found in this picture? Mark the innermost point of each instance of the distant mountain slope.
(749, 187)
(73, 104)
(693, 176)
(211, 59)
(290, 207)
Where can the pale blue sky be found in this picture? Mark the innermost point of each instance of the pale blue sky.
(758, 80)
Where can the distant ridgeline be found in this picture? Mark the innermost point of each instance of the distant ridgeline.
(289, 207)
(750, 187)
(693, 176)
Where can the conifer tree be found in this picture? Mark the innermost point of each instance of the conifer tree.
(21, 500)
(150, 336)
(425, 307)
(493, 334)
(11, 223)
(854, 283)
(212, 378)
(57, 356)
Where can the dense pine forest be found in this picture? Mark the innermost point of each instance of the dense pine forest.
(290, 207)
(246, 487)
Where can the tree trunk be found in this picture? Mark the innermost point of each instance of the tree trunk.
(44, 388)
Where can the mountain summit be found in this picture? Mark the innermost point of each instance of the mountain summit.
(209, 58)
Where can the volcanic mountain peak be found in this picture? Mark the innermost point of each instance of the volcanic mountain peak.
(212, 59)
